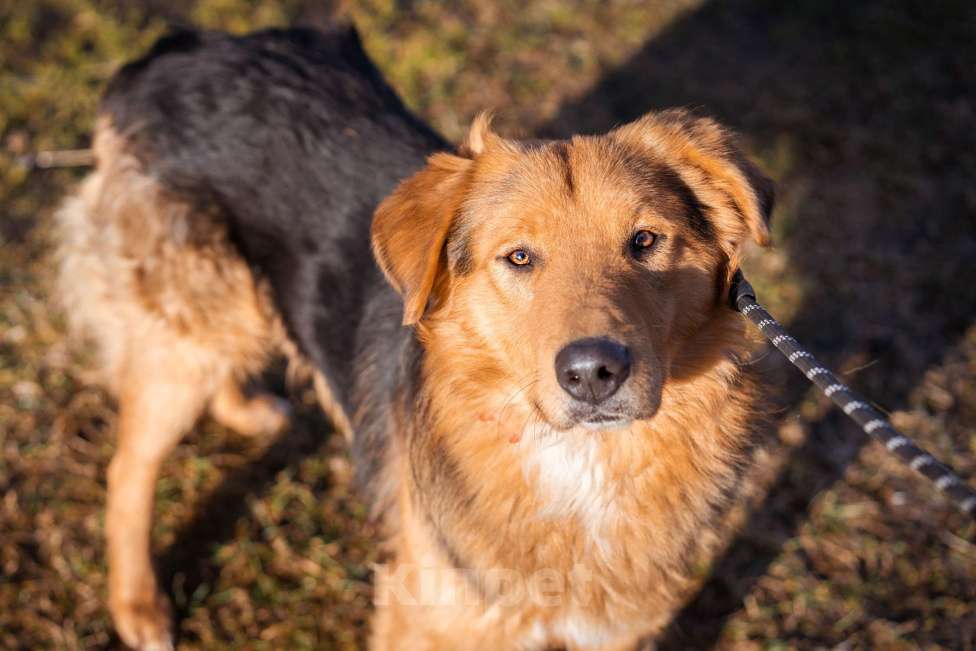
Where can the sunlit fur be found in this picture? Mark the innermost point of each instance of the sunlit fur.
(502, 473)
(189, 279)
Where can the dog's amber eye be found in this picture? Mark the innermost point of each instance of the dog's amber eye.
(519, 258)
(642, 241)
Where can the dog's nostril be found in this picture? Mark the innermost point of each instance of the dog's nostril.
(592, 369)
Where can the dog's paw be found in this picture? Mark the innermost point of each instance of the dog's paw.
(262, 415)
(144, 624)
(268, 414)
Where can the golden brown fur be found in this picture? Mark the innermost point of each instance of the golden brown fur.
(613, 535)
(495, 481)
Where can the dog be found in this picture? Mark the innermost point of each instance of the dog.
(528, 343)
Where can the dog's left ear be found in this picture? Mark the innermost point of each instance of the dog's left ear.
(410, 228)
(716, 170)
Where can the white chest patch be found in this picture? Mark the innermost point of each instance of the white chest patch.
(576, 630)
(571, 478)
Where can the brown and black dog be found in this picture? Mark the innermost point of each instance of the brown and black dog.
(540, 378)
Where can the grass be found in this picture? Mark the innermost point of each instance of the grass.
(862, 111)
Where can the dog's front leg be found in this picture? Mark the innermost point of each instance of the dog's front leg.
(153, 416)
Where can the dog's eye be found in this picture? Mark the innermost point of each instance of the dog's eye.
(642, 242)
(520, 258)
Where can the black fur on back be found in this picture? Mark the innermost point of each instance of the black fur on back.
(296, 137)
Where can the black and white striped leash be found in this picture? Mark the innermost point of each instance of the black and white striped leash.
(743, 299)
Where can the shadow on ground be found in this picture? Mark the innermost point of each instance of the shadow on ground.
(865, 113)
(186, 564)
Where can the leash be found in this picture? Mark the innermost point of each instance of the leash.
(743, 299)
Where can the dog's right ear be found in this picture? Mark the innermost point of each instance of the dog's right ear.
(410, 228)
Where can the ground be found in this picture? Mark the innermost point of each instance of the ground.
(863, 112)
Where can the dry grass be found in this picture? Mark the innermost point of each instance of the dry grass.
(864, 112)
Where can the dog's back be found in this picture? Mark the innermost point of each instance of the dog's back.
(296, 137)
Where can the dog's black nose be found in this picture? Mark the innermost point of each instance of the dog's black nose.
(592, 369)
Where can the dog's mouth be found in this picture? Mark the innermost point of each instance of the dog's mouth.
(602, 422)
(602, 419)
(591, 418)
(618, 413)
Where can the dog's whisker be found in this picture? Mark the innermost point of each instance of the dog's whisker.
(509, 401)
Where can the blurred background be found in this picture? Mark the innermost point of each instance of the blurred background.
(864, 112)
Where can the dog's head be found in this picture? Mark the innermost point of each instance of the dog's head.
(585, 273)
